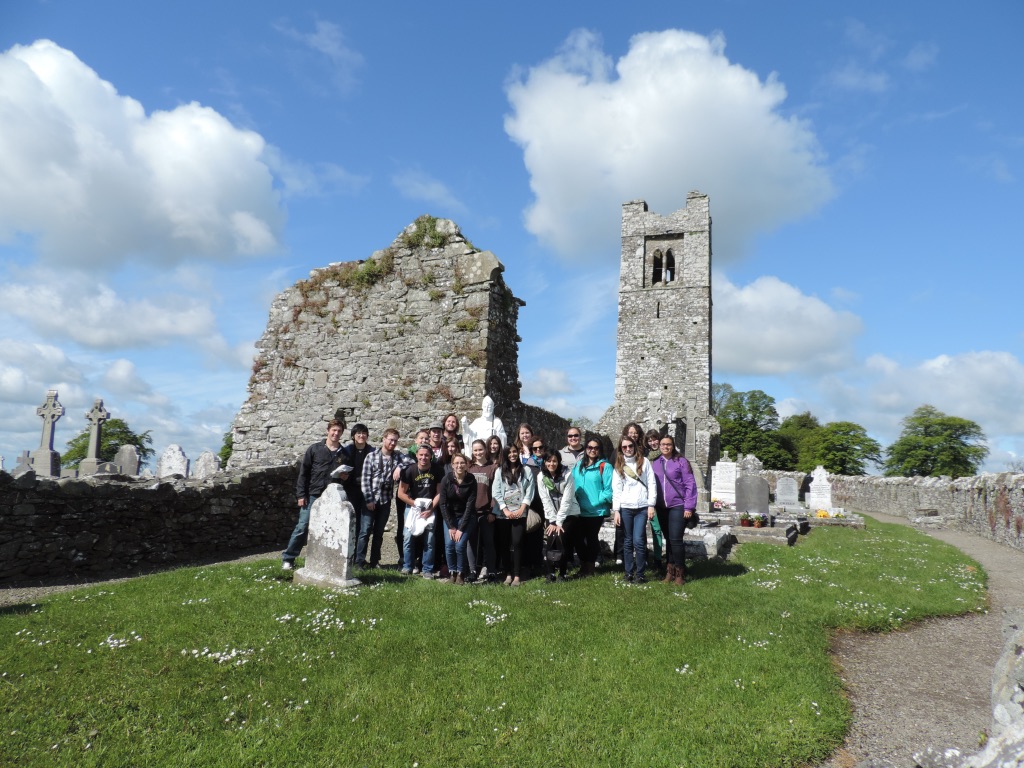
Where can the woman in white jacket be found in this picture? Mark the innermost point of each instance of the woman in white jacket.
(634, 496)
(557, 493)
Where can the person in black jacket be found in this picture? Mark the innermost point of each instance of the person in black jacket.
(458, 510)
(320, 460)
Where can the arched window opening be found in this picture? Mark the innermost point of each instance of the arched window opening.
(656, 272)
(670, 266)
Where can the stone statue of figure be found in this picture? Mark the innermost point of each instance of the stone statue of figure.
(484, 427)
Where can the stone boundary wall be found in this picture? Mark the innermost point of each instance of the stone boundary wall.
(990, 505)
(84, 528)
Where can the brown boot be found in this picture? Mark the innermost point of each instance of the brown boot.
(680, 578)
(670, 573)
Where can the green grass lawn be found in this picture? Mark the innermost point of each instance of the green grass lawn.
(234, 666)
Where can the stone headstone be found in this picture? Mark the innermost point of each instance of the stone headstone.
(752, 495)
(787, 492)
(24, 464)
(207, 465)
(749, 465)
(723, 482)
(331, 543)
(820, 494)
(173, 461)
(127, 460)
(45, 460)
(90, 465)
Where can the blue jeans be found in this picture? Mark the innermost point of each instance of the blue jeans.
(634, 539)
(673, 522)
(300, 534)
(455, 552)
(427, 537)
(371, 524)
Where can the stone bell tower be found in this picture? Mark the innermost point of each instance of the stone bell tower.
(663, 358)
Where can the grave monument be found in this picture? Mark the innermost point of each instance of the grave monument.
(44, 460)
(331, 542)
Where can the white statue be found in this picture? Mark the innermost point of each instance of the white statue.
(484, 427)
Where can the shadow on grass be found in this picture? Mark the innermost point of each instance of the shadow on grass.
(18, 609)
(712, 569)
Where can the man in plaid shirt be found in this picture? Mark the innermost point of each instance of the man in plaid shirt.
(380, 472)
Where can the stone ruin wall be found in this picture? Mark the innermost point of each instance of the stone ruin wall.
(663, 355)
(990, 506)
(424, 327)
(111, 524)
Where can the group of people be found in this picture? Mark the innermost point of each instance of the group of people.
(490, 511)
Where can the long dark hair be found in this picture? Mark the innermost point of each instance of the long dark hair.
(511, 473)
(587, 462)
(495, 456)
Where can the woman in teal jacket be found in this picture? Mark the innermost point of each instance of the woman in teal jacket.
(592, 476)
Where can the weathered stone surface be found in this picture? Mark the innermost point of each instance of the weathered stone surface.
(427, 328)
(173, 461)
(127, 459)
(752, 495)
(331, 543)
(787, 492)
(98, 525)
(820, 495)
(748, 465)
(663, 357)
(207, 465)
(723, 482)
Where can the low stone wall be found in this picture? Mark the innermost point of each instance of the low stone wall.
(83, 528)
(989, 505)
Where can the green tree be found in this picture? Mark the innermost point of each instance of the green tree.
(720, 394)
(749, 422)
(802, 432)
(114, 434)
(844, 448)
(933, 444)
(226, 448)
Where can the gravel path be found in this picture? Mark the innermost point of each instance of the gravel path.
(931, 684)
(928, 685)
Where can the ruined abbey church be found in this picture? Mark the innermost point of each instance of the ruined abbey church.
(427, 326)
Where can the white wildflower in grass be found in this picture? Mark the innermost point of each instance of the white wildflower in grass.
(234, 656)
(769, 585)
(684, 670)
(196, 602)
(493, 613)
(120, 642)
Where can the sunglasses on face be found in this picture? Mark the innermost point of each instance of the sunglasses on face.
(593, 448)
(538, 447)
(627, 447)
(574, 437)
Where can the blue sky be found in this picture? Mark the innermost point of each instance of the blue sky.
(165, 169)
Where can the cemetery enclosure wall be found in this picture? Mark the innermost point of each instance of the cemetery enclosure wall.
(87, 528)
(990, 506)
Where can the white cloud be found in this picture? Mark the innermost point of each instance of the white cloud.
(545, 382)
(99, 182)
(677, 115)
(327, 44)
(28, 369)
(770, 327)
(92, 314)
(310, 180)
(417, 185)
(921, 57)
(122, 378)
(853, 77)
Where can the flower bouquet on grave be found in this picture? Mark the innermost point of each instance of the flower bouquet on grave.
(823, 514)
(838, 515)
(716, 504)
(745, 520)
(760, 521)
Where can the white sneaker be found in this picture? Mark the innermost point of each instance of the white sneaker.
(482, 576)
(286, 566)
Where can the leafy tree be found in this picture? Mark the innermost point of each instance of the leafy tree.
(933, 443)
(114, 434)
(802, 431)
(720, 394)
(844, 448)
(226, 448)
(749, 422)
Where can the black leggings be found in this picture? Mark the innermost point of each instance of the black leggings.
(508, 536)
(588, 544)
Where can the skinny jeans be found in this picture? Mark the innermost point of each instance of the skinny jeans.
(634, 540)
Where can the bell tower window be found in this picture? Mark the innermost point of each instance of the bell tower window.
(670, 266)
(657, 270)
